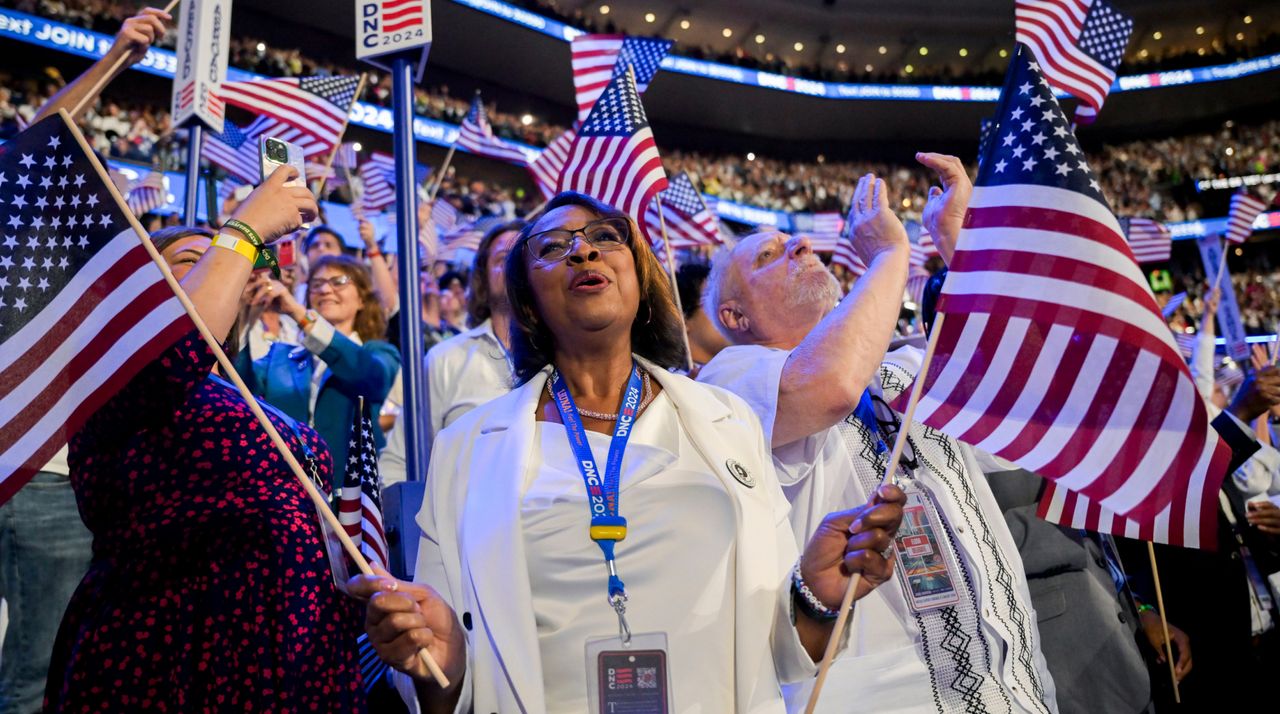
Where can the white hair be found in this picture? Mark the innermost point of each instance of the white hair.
(714, 293)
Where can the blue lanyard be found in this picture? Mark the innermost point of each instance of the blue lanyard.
(607, 527)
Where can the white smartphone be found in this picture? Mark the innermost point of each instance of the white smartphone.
(278, 152)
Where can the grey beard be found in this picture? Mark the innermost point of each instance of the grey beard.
(808, 292)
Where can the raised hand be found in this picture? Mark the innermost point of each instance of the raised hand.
(138, 33)
(275, 210)
(944, 211)
(875, 227)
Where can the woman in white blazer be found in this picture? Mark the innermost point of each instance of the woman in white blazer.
(705, 604)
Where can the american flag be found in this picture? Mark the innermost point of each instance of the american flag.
(1150, 240)
(360, 513)
(346, 157)
(148, 194)
(614, 158)
(476, 136)
(316, 105)
(846, 257)
(1079, 44)
(236, 149)
(400, 15)
(986, 130)
(689, 222)
(597, 59)
(1245, 209)
(1186, 342)
(1053, 353)
(443, 214)
(378, 175)
(922, 247)
(1172, 305)
(317, 170)
(82, 306)
(466, 238)
(546, 168)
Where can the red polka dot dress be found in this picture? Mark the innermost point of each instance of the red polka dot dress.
(209, 588)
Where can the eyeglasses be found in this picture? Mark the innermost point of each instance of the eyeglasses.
(334, 283)
(552, 246)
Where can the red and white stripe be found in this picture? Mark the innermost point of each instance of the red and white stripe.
(546, 169)
(623, 171)
(846, 257)
(187, 95)
(1072, 510)
(378, 176)
(922, 250)
(110, 320)
(148, 194)
(1051, 28)
(480, 140)
(1054, 355)
(1150, 240)
(362, 521)
(245, 162)
(594, 57)
(696, 231)
(398, 15)
(1245, 209)
(284, 99)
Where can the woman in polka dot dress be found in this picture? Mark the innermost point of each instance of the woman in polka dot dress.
(210, 589)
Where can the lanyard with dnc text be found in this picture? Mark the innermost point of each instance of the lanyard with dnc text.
(607, 527)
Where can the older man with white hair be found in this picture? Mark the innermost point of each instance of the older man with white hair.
(956, 632)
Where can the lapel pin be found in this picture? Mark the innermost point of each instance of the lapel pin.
(740, 472)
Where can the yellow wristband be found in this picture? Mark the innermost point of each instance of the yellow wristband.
(243, 247)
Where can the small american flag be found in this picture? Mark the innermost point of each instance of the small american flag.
(1053, 353)
(236, 149)
(1079, 44)
(360, 513)
(1245, 209)
(317, 106)
(1172, 306)
(1150, 240)
(922, 247)
(614, 159)
(597, 59)
(82, 305)
(317, 170)
(844, 255)
(476, 136)
(689, 222)
(148, 194)
(831, 224)
(400, 15)
(443, 214)
(549, 164)
(347, 157)
(454, 244)
(378, 175)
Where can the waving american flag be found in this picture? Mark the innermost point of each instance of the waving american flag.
(317, 106)
(597, 59)
(476, 136)
(1245, 209)
(236, 149)
(378, 176)
(614, 157)
(689, 222)
(1079, 44)
(148, 194)
(82, 305)
(1149, 239)
(549, 164)
(1053, 353)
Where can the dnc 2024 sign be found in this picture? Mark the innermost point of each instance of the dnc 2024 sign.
(392, 28)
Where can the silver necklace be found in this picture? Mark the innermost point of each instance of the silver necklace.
(644, 401)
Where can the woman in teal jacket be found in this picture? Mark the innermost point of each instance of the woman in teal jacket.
(341, 359)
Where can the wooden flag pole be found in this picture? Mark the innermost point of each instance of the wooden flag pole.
(105, 79)
(444, 168)
(337, 144)
(675, 287)
(1164, 623)
(1222, 265)
(890, 474)
(322, 506)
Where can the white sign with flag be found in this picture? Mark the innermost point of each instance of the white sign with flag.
(204, 37)
(1228, 309)
(389, 28)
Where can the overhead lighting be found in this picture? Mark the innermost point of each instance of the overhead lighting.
(909, 69)
(924, 51)
(840, 49)
(1200, 52)
(1157, 35)
(751, 156)
(684, 24)
(1231, 151)
(1239, 251)
(1004, 53)
(262, 47)
(759, 39)
(650, 17)
(906, 203)
(822, 158)
(1199, 30)
(883, 50)
(964, 52)
(1143, 54)
(526, 119)
(727, 32)
(1248, 19)
(799, 46)
(604, 9)
(1239, 37)
(357, 146)
(869, 68)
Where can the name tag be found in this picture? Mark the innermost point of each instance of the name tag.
(629, 679)
(926, 568)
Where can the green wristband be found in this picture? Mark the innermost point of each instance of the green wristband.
(266, 256)
(1145, 608)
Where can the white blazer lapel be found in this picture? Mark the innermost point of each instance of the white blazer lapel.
(492, 540)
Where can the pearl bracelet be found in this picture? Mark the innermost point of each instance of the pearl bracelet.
(809, 602)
